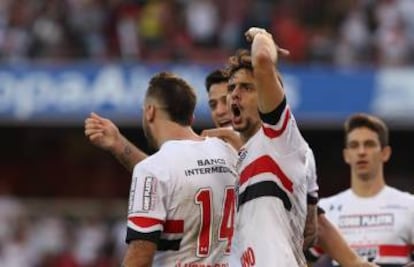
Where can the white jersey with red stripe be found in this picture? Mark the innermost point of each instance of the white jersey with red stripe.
(274, 174)
(182, 198)
(379, 228)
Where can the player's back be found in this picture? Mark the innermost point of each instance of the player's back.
(188, 195)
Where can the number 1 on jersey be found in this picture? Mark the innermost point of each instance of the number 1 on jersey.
(204, 199)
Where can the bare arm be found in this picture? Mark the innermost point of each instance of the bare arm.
(311, 227)
(264, 54)
(140, 253)
(332, 242)
(104, 134)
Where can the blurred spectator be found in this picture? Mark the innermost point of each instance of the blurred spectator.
(11, 210)
(203, 22)
(87, 19)
(354, 37)
(290, 33)
(391, 40)
(15, 18)
(17, 251)
(90, 239)
(150, 24)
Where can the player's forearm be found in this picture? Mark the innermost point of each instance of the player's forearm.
(127, 153)
(263, 49)
(140, 253)
(332, 242)
(311, 227)
(264, 57)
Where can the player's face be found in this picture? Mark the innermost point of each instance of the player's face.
(243, 103)
(217, 101)
(364, 154)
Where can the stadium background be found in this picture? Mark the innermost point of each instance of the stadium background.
(63, 201)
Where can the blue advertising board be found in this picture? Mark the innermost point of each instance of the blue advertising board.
(38, 94)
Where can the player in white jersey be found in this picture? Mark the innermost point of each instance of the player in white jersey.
(380, 228)
(375, 219)
(272, 166)
(181, 205)
(182, 198)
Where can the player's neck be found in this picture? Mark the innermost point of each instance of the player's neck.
(367, 187)
(246, 134)
(173, 131)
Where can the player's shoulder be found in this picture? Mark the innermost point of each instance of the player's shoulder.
(325, 202)
(148, 164)
(395, 193)
(179, 150)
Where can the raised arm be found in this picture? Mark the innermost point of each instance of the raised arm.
(265, 55)
(104, 134)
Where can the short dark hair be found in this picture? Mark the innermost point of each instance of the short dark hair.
(241, 60)
(371, 122)
(215, 77)
(176, 96)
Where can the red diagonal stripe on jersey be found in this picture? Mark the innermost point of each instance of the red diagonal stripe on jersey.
(262, 165)
(144, 221)
(394, 250)
(174, 226)
(271, 133)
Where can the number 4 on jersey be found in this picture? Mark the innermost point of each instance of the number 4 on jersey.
(204, 199)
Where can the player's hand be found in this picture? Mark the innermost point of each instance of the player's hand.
(101, 132)
(253, 31)
(410, 264)
(227, 134)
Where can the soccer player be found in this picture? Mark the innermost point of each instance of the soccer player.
(216, 85)
(272, 205)
(375, 219)
(181, 203)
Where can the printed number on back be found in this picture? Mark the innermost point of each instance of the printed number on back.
(204, 199)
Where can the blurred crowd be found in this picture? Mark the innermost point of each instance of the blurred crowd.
(42, 238)
(344, 33)
(62, 202)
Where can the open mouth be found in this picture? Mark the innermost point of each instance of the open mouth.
(235, 110)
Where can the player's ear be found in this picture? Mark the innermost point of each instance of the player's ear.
(150, 112)
(386, 153)
(345, 155)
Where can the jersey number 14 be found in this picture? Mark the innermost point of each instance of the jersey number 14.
(204, 199)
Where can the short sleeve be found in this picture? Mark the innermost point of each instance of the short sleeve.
(147, 206)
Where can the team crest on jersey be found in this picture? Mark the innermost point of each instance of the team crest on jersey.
(242, 155)
(149, 193)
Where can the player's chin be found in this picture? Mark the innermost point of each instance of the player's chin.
(238, 126)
